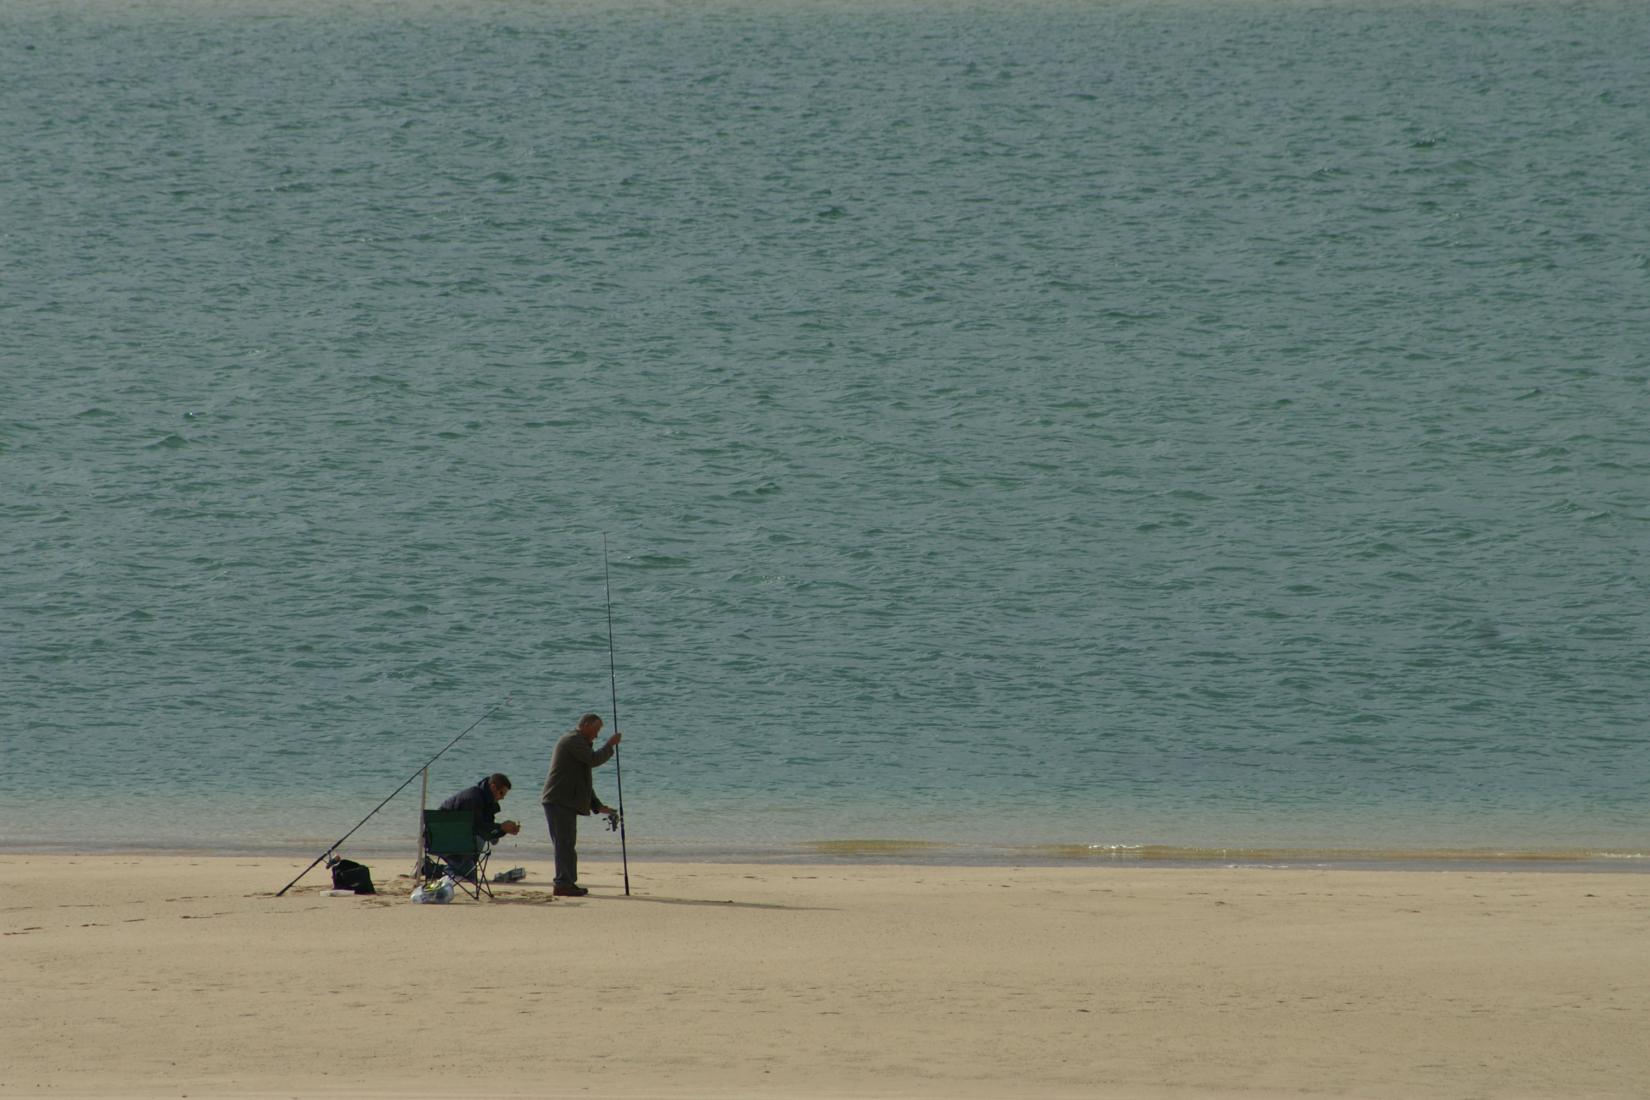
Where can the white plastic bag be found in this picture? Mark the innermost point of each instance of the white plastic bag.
(439, 892)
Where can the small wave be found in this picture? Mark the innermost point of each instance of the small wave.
(874, 847)
(170, 442)
(1291, 856)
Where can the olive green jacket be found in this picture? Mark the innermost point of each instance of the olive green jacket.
(569, 783)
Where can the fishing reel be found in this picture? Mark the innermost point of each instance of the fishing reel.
(613, 819)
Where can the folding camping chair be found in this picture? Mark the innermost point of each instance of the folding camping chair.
(450, 836)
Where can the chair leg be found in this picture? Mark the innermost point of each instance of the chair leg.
(475, 883)
(469, 884)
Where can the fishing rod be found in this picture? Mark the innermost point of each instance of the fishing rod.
(613, 679)
(339, 842)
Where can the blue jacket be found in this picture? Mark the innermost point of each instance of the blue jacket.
(478, 800)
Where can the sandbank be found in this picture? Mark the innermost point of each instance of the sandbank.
(160, 976)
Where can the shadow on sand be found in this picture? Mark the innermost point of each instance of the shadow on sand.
(655, 900)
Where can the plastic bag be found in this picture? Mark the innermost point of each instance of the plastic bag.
(439, 892)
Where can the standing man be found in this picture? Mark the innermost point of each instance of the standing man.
(569, 795)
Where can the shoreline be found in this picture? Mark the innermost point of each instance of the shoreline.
(149, 976)
(874, 852)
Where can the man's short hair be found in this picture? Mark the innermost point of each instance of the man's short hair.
(499, 779)
(589, 718)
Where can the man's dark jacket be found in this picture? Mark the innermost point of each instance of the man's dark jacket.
(478, 800)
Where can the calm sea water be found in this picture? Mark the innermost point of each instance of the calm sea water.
(1042, 429)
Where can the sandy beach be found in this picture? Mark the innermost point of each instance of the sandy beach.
(151, 976)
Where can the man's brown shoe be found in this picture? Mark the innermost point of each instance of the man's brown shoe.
(569, 891)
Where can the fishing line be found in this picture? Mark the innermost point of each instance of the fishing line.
(613, 680)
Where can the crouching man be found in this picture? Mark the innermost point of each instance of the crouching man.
(482, 800)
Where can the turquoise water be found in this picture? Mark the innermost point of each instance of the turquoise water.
(1061, 429)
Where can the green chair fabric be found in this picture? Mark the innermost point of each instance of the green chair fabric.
(449, 835)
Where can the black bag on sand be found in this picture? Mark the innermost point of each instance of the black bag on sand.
(349, 875)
